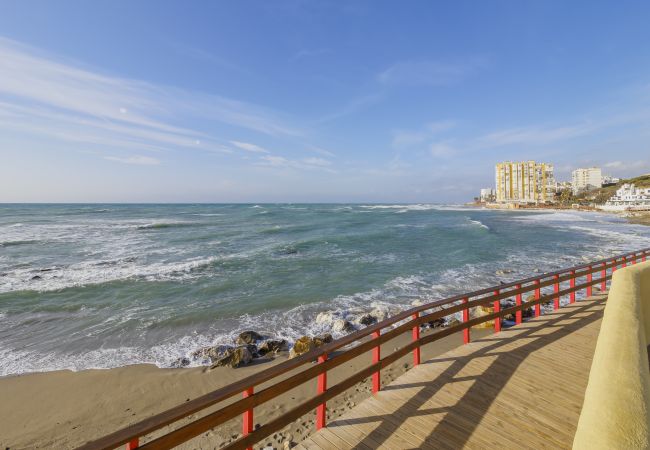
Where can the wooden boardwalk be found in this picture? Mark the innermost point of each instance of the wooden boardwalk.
(522, 388)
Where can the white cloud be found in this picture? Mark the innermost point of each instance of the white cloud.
(302, 164)
(442, 150)
(317, 162)
(249, 147)
(538, 135)
(136, 159)
(408, 138)
(60, 99)
(429, 73)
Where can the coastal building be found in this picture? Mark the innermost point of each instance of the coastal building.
(487, 195)
(527, 182)
(586, 179)
(629, 198)
(609, 180)
(564, 186)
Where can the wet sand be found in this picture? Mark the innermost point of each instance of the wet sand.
(65, 409)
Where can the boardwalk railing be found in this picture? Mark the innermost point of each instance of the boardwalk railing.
(368, 339)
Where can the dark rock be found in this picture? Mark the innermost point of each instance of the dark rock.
(451, 322)
(36, 277)
(181, 362)
(272, 346)
(367, 319)
(322, 339)
(306, 343)
(342, 326)
(234, 358)
(249, 337)
(214, 353)
(436, 323)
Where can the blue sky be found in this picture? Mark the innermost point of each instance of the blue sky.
(299, 101)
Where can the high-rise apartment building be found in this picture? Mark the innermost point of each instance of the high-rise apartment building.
(524, 182)
(586, 179)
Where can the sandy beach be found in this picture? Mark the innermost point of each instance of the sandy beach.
(64, 409)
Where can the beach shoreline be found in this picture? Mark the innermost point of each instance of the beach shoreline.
(65, 409)
(633, 217)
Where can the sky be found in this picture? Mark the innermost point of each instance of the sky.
(314, 101)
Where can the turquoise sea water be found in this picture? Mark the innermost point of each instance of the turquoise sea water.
(97, 286)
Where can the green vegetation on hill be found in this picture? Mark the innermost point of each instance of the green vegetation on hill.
(600, 196)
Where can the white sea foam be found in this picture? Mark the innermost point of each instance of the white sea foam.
(479, 223)
(96, 272)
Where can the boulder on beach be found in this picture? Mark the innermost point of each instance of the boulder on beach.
(213, 353)
(435, 323)
(248, 337)
(451, 322)
(306, 343)
(236, 357)
(481, 311)
(180, 362)
(342, 326)
(272, 346)
(367, 319)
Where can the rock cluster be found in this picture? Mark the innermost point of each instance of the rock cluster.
(307, 343)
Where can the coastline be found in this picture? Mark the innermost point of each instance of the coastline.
(633, 217)
(65, 409)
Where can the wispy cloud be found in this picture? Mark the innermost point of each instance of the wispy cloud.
(429, 73)
(533, 135)
(298, 164)
(442, 149)
(249, 147)
(627, 165)
(353, 106)
(135, 159)
(41, 94)
(408, 138)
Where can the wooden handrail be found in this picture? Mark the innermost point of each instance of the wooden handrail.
(412, 318)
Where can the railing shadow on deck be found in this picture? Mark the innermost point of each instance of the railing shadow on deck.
(486, 386)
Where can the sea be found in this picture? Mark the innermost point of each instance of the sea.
(101, 286)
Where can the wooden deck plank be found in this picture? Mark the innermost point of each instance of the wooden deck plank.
(521, 388)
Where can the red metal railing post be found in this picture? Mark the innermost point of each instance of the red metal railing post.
(466, 335)
(603, 276)
(497, 308)
(643, 257)
(247, 427)
(376, 357)
(615, 261)
(572, 284)
(133, 444)
(624, 265)
(556, 289)
(589, 280)
(518, 314)
(538, 294)
(416, 338)
(321, 387)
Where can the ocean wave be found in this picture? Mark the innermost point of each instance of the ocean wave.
(162, 225)
(402, 208)
(20, 242)
(479, 223)
(98, 272)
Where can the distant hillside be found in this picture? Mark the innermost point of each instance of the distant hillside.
(601, 195)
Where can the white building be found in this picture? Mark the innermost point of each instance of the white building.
(609, 180)
(488, 195)
(629, 198)
(586, 179)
